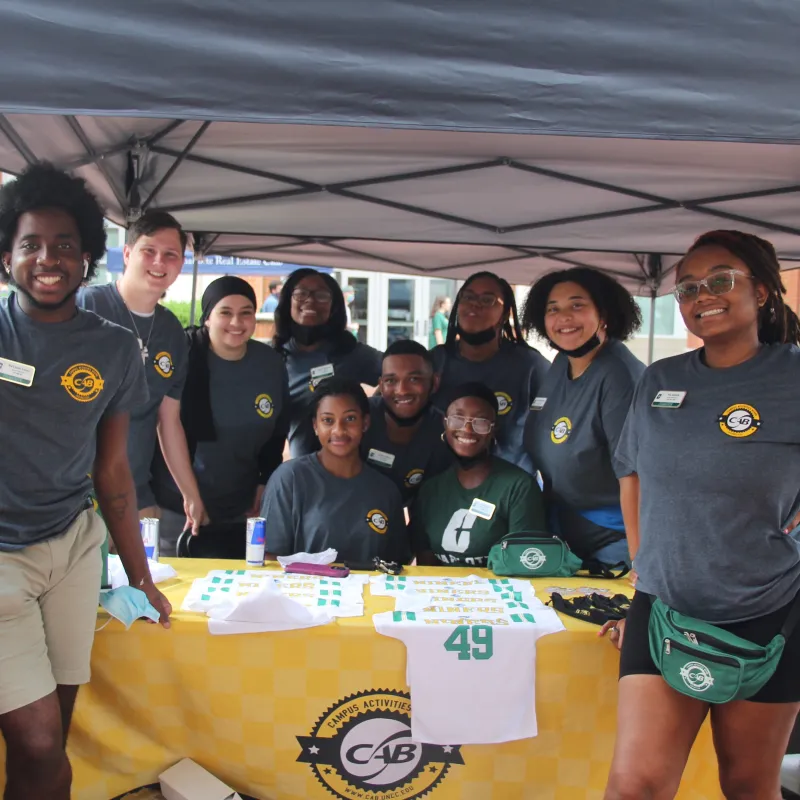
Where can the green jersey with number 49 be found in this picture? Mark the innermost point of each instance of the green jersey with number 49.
(460, 525)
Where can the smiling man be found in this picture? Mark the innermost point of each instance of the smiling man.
(68, 381)
(404, 440)
(153, 259)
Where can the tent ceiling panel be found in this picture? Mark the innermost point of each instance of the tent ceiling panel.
(425, 202)
(678, 69)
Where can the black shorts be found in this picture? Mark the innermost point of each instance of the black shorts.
(782, 687)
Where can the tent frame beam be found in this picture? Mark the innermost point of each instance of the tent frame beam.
(16, 140)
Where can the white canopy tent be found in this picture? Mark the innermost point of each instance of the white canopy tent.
(422, 137)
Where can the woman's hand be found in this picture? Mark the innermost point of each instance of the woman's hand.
(615, 630)
(633, 577)
(793, 524)
(255, 509)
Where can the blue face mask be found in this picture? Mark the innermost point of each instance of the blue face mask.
(127, 605)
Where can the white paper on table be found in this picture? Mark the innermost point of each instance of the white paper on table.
(263, 611)
(324, 558)
(117, 576)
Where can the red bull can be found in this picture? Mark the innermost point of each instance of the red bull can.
(149, 530)
(256, 541)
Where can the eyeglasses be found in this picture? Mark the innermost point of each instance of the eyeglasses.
(483, 300)
(322, 296)
(480, 425)
(720, 282)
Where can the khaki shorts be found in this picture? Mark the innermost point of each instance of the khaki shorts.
(49, 595)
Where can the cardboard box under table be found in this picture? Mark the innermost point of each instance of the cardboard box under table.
(269, 713)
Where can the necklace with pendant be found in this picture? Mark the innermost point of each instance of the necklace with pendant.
(142, 345)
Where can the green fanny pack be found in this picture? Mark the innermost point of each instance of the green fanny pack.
(541, 555)
(700, 660)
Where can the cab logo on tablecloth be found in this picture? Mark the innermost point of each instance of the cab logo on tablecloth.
(82, 382)
(504, 403)
(163, 364)
(264, 406)
(363, 744)
(377, 520)
(739, 420)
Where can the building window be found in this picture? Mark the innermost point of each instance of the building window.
(668, 321)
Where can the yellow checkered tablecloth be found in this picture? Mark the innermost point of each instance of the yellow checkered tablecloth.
(237, 705)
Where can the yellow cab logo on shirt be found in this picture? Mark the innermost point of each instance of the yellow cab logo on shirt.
(377, 520)
(561, 430)
(504, 403)
(739, 421)
(414, 478)
(264, 407)
(82, 382)
(362, 747)
(163, 364)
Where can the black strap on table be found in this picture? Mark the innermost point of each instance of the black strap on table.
(597, 569)
(594, 608)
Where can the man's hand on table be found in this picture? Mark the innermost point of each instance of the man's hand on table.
(158, 601)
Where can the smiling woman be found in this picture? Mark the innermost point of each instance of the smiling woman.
(711, 450)
(574, 426)
(235, 411)
(331, 498)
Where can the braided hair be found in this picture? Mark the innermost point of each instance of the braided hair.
(777, 323)
(511, 330)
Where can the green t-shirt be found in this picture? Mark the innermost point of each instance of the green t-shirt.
(439, 323)
(441, 520)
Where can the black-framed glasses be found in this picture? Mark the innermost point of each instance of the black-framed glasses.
(480, 425)
(322, 296)
(485, 300)
(717, 283)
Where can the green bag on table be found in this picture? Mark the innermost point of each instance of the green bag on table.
(533, 555)
(705, 662)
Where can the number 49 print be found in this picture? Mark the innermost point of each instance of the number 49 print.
(463, 637)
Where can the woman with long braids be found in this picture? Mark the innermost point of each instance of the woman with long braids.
(712, 454)
(311, 334)
(485, 344)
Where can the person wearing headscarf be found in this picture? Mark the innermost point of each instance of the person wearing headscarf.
(235, 410)
(459, 514)
(575, 423)
(311, 334)
(485, 343)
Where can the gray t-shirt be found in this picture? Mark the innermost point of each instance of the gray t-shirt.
(249, 403)
(407, 465)
(308, 510)
(165, 370)
(514, 374)
(86, 368)
(307, 368)
(720, 479)
(571, 435)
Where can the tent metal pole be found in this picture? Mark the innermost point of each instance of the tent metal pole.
(651, 341)
(198, 243)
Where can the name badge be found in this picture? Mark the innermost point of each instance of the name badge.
(15, 372)
(482, 509)
(665, 399)
(320, 373)
(379, 457)
(538, 403)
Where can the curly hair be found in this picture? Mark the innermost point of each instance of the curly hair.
(614, 302)
(345, 341)
(44, 186)
(777, 323)
(341, 387)
(511, 330)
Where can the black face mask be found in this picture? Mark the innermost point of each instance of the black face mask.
(406, 422)
(590, 344)
(310, 334)
(479, 337)
(468, 462)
